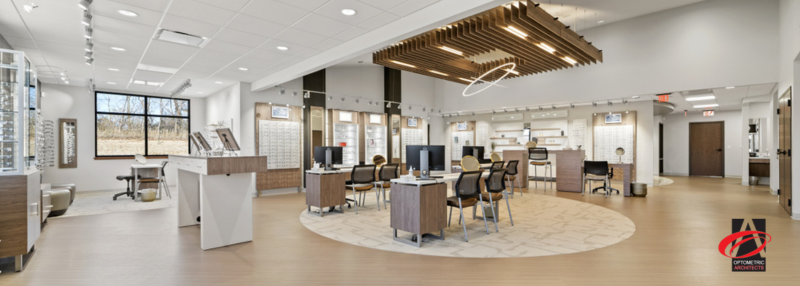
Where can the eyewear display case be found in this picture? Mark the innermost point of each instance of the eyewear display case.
(344, 127)
(373, 131)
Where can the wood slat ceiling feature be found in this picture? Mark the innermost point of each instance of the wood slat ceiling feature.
(485, 35)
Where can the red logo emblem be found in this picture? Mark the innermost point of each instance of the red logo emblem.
(766, 238)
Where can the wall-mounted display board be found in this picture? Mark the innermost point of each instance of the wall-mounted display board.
(373, 130)
(343, 132)
(68, 143)
(619, 132)
(281, 140)
(462, 134)
(577, 133)
(412, 135)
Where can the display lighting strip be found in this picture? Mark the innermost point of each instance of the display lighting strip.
(358, 100)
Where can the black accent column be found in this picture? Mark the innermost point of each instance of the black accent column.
(391, 92)
(314, 82)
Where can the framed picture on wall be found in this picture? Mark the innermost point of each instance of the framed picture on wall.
(412, 122)
(345, 116)
(614, 118)
(280, 112)
(375, 119)
(461, 126)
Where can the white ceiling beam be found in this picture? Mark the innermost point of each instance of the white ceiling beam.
(435, 15)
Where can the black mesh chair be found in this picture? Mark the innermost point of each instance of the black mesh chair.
(385, 175)
(468, 194)
(362, 179)
(497, 165)
(610, 189)
(538, 157)
(511, 175)
(496, 191)
(595, 171)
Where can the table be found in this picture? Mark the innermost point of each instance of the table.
(420, 207)
(135, 170)
(217, 193)
(626, 176)
(325, 189)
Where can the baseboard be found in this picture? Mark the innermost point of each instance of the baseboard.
(675, 174)
(796, 216)
(278, 191)
(773, 192)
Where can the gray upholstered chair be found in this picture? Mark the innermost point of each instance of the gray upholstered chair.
(385, 175)
(468, 194)
(362, 179)
(59, 198)
(511, 175)
(496, 191)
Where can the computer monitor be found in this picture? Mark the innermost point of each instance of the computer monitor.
(474, 151)
(336, 155)
(435, 157)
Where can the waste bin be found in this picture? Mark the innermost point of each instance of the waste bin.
(753, 180)
(638, 189)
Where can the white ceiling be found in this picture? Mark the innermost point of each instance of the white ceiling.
(727, 98)
(242, 33)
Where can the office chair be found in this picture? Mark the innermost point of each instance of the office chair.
(385, 175)
(468, 194)
(496, 191)
(538, 157)
(469, 163)
(362, 179)
(511, 175)
(496, 165)
(610, 176)
(595, 171)
(495, 157)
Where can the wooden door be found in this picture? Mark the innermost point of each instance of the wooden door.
(706, 149)
(785, 150)
(660, 149)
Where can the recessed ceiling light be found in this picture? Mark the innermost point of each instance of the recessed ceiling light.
(110, 82)
(601, 22)
(283, 48)
(118, 49)
(218, 82)
(200, 92)
(128, 13)
(635, 96)
(348, 12)
(730, 87)
(698, 98)
(113, 69)
(243, 68)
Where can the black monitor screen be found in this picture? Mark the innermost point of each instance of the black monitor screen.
(336, 154)
(435, 156)
(470, 151)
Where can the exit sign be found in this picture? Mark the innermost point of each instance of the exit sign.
(663, 97)
(708, 113)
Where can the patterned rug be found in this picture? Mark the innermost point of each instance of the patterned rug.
(543, 225)
(101, 202)
(661, 181)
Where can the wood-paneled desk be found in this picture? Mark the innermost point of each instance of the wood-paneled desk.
(626, 176)
(217, 193)
(420, 207)
(325, 189)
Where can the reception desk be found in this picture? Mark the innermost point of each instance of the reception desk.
(217, 193)
(569, 167)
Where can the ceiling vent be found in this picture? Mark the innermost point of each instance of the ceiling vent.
(181, 38)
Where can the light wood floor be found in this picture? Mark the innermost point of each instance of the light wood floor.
(678, 228)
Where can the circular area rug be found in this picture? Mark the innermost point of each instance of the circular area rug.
(543, 225)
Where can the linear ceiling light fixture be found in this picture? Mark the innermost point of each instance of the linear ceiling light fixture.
(282, 48)
(127, 13)
(466, 94)
(457, 52)
(698, 98)
(570, 60)
(706, 105)
(545, 47)
(181, 88)
(512, 71)
(439, 73)
(404, 64)
(516, 32)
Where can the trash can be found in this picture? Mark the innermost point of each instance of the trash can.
(753, 180)
(638, 189)
(148, 195)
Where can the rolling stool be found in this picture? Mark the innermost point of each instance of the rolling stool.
(127, 192)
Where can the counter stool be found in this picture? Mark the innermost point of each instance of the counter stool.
(511, 175)
(538, 157)
(127, 192)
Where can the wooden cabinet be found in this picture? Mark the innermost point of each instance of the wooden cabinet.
(20, 214)
(759, 167)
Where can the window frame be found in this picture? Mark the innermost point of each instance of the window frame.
(146, 116)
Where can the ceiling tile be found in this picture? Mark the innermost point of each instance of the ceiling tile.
(327, 44)
(270, 56)
(200, 12)
(384, 5)
(109, 9)
(350, 34)
(200, 67)
(299, 37)
(321, 25)
(155, 5)
(333, 10)
(226, 47)
(122, 27)
(232, 5)
(307, 5)
(411, 6)
(207, 55)
(760, 89)
(242, 38)
(275, 11)
(379, 21)
(255, 26)
(151, 76)
(180, 24)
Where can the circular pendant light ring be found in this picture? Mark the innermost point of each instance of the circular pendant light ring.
(508, 71)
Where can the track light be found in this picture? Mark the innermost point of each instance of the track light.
(307, 94)
(409, 107)
(370, 102)
(624, 101)
(343, 99)
(330, 97)
(505, 110)
(29, 7)
(594, 104)
(527, 109)
(87, 18)
(388, 105)
(554, 107)
(399, 106)
(84, 4)
(294, 93)
(540, 108)
(88, 33)
(282, 92)
(357, 100)
(89, 45)
(181, 88)
(609, 103)
(423, 109)
(473, 114)
(494, 111)
(89, 61)
(88, 55)
(571, 106)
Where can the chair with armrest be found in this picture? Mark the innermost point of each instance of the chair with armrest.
(362, 179)
(595, 171)
(468, 194)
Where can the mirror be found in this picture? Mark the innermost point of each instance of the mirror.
(756, 136)
(68, 143)
(395, 139)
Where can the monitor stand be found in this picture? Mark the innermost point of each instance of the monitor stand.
(328, 160)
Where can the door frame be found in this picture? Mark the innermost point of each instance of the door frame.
(722, 138)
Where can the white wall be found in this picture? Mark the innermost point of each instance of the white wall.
(418, 90)
(91, 175)
(755, 110)
(676, 141)
(224, 105)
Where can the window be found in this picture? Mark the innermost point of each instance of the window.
(134, 124)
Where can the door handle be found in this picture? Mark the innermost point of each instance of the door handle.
(781, 152)
(719, 150)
